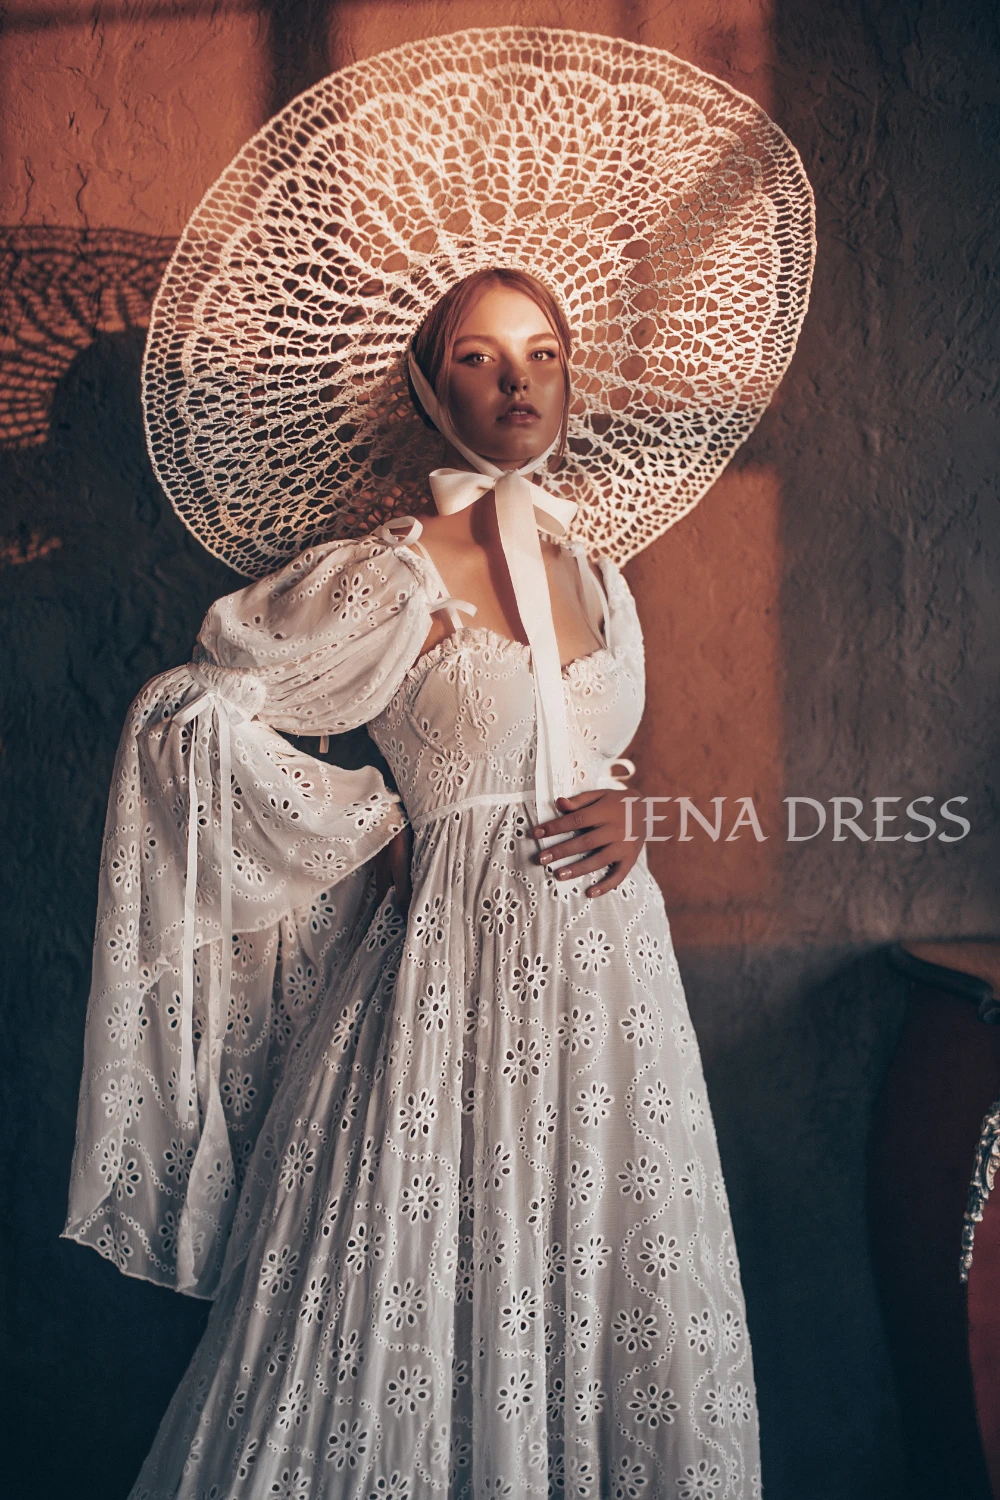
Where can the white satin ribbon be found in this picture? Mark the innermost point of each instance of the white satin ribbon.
(618, 780)
(246, 698)
(521, 508)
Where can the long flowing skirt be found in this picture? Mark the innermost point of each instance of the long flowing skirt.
(484, 1247)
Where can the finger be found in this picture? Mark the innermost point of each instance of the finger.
(580, 799)
(616, 874)
(584, 817)
(594, 838)
(622, 856)
(401, 873)
(578, 803)
(599, 861)
(620, 863)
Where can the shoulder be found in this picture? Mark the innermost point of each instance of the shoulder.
(620, 597)
(381, 553)
(332, 591)
(601, 568)
(625, 625)
(352, 571)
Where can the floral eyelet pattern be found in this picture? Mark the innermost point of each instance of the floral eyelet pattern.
(459, 1175)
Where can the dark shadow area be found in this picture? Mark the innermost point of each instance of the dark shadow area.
(101, 587)
(942, 1082)
(85, 624)
(299, 45)
(59, 288)
(884, 438)
(48, 18)
(796, 1045)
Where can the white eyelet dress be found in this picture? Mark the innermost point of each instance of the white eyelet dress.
(475, 1240)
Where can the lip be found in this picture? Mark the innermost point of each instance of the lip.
(520, 413)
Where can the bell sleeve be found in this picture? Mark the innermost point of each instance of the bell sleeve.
(234, 881)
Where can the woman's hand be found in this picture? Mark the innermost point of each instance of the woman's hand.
(600, 817)
(392, 868)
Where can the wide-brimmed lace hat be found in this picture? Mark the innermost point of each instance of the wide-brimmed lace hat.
(667, 212)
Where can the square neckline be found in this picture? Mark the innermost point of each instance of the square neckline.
(506, 643)
(498, 636)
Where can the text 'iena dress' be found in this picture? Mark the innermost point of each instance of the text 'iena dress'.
(451, 1178)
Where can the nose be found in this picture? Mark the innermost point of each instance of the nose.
(513, 378)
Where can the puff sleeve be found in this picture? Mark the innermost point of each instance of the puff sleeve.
(233, 884)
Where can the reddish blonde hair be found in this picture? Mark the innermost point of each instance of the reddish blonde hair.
(434, 340)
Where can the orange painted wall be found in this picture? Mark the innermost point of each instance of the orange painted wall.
(120, 116)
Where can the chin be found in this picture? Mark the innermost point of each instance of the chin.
(519, 449)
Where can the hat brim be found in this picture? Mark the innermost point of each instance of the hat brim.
(670, 216)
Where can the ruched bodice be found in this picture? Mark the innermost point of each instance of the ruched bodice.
(460, 727)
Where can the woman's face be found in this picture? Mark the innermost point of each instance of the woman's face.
(505, 380)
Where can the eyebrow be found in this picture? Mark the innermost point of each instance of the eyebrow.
(488, 338)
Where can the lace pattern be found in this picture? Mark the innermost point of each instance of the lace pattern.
(672, 218)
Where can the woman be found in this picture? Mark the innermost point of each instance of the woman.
(438, 1144)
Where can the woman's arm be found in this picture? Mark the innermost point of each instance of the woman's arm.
(392, 868)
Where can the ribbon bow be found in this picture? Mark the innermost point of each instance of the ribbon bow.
(232, 697)
(521, 508)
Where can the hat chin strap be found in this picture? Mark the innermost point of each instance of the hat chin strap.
(521, 508)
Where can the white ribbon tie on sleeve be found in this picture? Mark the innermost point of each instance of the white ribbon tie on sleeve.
(231, 697)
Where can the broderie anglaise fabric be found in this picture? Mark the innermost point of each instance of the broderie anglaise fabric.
(316, 649)
(482, 1246)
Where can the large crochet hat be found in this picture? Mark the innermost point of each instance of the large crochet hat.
(668, 213)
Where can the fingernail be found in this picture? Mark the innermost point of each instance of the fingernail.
(543, 859)
(538, 832)
(565, 874)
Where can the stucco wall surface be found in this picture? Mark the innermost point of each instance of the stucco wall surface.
(824, 624)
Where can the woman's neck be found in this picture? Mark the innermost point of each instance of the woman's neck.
(476, 523)
(455, 460)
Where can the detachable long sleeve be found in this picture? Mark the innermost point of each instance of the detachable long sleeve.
(233, 885)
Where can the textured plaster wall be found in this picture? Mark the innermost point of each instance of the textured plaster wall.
(823, 624)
